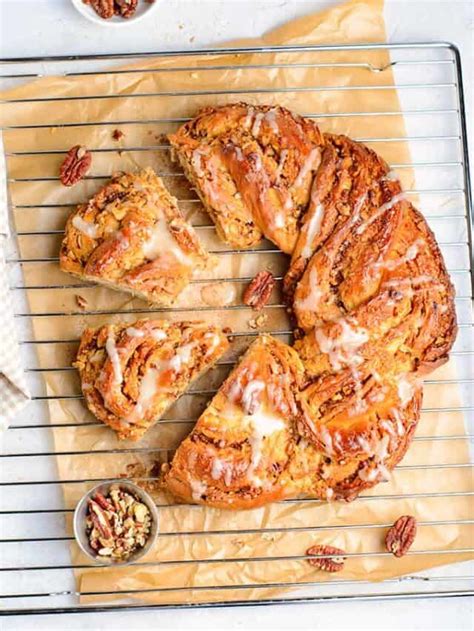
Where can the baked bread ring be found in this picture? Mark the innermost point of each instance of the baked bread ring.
(372, 302)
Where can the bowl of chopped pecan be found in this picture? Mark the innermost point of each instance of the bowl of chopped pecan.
(115, 12)
(116, 523)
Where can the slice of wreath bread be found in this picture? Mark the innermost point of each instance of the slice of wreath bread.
(132, 236)
(131, 373)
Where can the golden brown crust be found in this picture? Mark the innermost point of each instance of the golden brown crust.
(131, 373)
(131, 236)
(370, 294)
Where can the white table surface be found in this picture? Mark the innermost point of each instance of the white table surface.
(53, 27)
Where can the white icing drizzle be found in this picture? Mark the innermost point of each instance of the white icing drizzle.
(215, 341)
(250, 394)
(257, 123)
(148, 389)
(311, 229)
(182, 356)
(405, 389)
(381, 449)
(388, 427)
(410, 255)
(329, 494)
(258, 162)
(91, 230)
(196, 162)
(364, 444)
(380, 470)
(263, 425)
(132, 332)
(378, 395)
(379, 212)
(288, 203)
(249, 118)
(158, 335)
(198, 488)
(270, 118)
(278, 220)
(311, 162)
(342, 349)
(113, 354)
(161, 241)
(327, 440)
(312, 300)
(222, 469)
(398, 421)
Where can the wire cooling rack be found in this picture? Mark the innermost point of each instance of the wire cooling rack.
(36, 566)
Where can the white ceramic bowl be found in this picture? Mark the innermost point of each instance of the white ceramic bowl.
(143, 9)
(79, 521)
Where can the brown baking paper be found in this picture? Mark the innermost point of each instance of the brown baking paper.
(191, 548)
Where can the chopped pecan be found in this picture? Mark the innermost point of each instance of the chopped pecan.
(100, 519)
(103, 502)
(125, 8)
(259, 290)
(401, 535)
(75, 165)
(104, 8)
(328, 564)
(81, 302)
(117, 134)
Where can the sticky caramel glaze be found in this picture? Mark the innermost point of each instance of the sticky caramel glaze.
(373, 308)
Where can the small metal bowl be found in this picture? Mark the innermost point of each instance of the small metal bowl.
(80, 515)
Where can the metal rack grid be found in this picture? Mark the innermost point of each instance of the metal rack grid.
(438, 142)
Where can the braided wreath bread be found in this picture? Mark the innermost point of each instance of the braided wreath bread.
(131, 373)
(131, 236)
(372, 303)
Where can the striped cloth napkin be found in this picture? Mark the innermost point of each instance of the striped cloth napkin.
(14, 392)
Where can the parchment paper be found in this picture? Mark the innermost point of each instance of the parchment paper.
(190, 545)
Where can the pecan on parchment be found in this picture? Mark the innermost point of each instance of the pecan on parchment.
(103, 8)
(125, 8)
(117, 134)
(328, 564)
(401, 535)
(81, 302)
(75, 165)
(259, 290)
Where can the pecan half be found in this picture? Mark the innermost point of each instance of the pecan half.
(328, 564)
(125, 8)
(75, 165)
(100, 519)
(117, 134)
(103, 8)
(401, 535)
(259, 290)
(81, 302)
